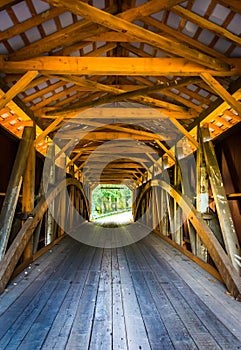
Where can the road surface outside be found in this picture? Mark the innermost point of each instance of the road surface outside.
(117, 219)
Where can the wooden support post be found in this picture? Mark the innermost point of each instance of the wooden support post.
(177, 215)
(154, 222)
(163, 213)
(187, 190)
(28, 193)
(222, 261)
(143, 207)
(37, 232)
(202, 195)
(158, 207)
(72, 194)
(224, 214)
(62, 200)
(154, 209)
(14, 185)
(50, 225)
(11, 258)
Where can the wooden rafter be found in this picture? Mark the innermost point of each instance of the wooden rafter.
(18, 87)
(222, 92)
(120, 25)
(204, 23)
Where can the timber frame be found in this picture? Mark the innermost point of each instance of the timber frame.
(123, 92)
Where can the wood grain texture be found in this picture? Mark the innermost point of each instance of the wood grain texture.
(143, 296)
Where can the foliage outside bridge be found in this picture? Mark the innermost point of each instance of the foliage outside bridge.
(110, 199)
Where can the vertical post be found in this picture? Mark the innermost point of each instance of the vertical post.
(163, 213)
(223, 210)
(62, 199)
(187, 190)
(153, 203)
(50, 225)
(177, 227)
(13, 190)
(163, 206)
(28, 192)
(202, 195)
(158, 208)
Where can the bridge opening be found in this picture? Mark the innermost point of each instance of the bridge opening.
(111, 204)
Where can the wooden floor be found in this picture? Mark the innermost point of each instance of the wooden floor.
(144, 296)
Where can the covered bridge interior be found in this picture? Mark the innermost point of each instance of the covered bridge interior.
(138, 93)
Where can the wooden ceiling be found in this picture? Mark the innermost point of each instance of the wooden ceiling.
(118, 83)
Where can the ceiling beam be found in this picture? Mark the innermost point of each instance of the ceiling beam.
(126, 128)
(235, 5)
(76, 32)
(184, 132)
(204, 23)
(4, 3)
(17, 88)
(222, 92)
(131, 66)
(146, 9)
(104, 135)
(138, 95)
(19, 28)
(108, 20)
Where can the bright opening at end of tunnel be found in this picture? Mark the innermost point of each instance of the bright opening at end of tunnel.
(111, 205)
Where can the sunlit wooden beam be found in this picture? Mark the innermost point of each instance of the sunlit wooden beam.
(133, 66)
(108, 20)
(17, 88)
(222, 92)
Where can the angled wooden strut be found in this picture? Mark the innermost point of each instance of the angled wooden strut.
(222, 261)
(13, 190)
(224, 214)
(11, 258)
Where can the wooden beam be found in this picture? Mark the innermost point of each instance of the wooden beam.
(126, 128)
(12, 256)
(207, 267)
(161, 105)
(188, 191)
(180, 37)
(146, 9)
(223, 263)
(18, 87)
(13, 189)
(206, 24)
(50, 224)
(62, 203)
(169, 152)
(107, 20)
(223, 210)
(28, 196)
(62, 38)
(79, 31)
(138, 95)
(234, 5)
(48, 130)
(4, 3)
(202, 199)
(115, 66)
(184, 132)
(19, 28)
(114, 135)
(222, 92)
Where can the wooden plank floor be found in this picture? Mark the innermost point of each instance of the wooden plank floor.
(143, 296)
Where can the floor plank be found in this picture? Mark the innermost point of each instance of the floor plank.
(143, 296)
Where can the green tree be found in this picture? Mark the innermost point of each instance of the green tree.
(111, 198)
